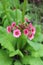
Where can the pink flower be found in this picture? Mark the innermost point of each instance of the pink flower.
(33, 30)
(26, 31)
(30, 25)
(17, 33)
(13, 25)
(30, 36)
(26, 19)
(9, 29)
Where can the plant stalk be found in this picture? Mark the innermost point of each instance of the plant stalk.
(24, 10)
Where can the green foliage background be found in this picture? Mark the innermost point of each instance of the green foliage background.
(20, 51)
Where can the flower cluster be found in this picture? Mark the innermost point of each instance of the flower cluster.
(15, 29)
(28, 29)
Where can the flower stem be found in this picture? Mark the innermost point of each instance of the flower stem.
(24, 9)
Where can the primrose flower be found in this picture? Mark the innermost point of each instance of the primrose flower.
(13, 25)
(26, 31)
(30, 25)
(9, 29)
(30, 36)
(17, 33)
(33, 30)
(27, 20)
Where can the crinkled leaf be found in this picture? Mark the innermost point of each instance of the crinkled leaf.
(6, 23)
(14, 3)
(38, 35)
(18, 16)
(21, 42)
(1, 8)
(8, 42)
(17, 63)
(17, 52)
(31, 60)
(5, 39)
(4, 58)
(38, 53)
(36, 46)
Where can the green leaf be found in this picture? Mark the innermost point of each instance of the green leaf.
(29, 48)
(17, 52)
(12, 14)
(35, 61)
(5, 39)
(40, 38)
(21, 41)
(31, 60)
(39, 53)
(8, 42)
(18, 16)
(25, 60)
(6, 23)
(38, 35)
(36, 46)
(1, 8)
(7, 5)
(14, 3)
(17, 63)
(4, 58)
